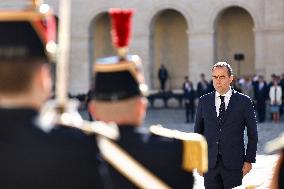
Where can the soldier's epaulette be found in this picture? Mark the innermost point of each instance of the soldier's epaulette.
(195, 152)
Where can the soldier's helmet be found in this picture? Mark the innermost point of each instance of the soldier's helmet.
(28, 33)
(119, 77)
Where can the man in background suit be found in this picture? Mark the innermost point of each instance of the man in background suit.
(222, 117)
(163, 77)
(261, 96)
(189, 97)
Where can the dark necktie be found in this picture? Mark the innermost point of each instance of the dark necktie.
(221, 110)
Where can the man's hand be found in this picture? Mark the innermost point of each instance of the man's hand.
(246, 168)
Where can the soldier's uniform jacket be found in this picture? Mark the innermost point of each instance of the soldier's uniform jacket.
(161, 155)
(31, 158)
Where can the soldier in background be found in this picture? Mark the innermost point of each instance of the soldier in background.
(31, 158)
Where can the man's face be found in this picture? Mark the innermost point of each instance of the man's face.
(221, 79)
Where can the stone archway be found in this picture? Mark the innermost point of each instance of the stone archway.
(169, 46)
(233, 35)
(100, 38)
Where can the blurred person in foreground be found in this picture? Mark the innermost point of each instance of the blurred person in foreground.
(277, 146)
(222, 117)
(118, 96)
(31, 158)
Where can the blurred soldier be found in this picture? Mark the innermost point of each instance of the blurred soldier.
(118, 97)
(277, 146)
(31, 158)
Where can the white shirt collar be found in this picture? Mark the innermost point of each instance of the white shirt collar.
(228, 94)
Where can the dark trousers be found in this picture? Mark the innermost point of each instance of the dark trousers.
(261, 111)
(189, 110)
(163, 84)
(222, 178)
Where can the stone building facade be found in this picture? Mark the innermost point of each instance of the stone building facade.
(188, 36)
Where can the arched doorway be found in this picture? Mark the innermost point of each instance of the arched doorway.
(100, 44)
(234, 35)
(169, 46)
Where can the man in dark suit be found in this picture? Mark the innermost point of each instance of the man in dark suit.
(222, 117)
(31, 158)
(163, 77)
(261, 96)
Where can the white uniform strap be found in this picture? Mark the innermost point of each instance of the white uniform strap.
(128, 166)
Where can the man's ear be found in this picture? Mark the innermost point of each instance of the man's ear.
(141, 105)
(92, 109)
(231, 78)
(43, 80)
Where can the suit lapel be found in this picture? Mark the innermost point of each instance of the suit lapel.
(231, 105)
(212, 106)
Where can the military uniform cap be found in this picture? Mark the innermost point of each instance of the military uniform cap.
(119, 77)
(28, 33)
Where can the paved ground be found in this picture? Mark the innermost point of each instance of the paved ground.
(262, 170)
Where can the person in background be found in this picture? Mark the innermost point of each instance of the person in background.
(163, 77)
(261, 96)
(275, 96)
(247, 87)
(189, 97)
(202, 86)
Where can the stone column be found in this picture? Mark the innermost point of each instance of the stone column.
(260, 53)
(269, 45)
(201, 54)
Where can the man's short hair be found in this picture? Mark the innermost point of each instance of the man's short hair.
(224, 64)
(16, 76)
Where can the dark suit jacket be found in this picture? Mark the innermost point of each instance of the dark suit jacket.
(238, 116)
(161, 155)
(30, 158)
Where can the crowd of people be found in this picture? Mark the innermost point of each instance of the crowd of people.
(267, 97)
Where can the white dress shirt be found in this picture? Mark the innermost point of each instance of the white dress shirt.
(218, 100)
